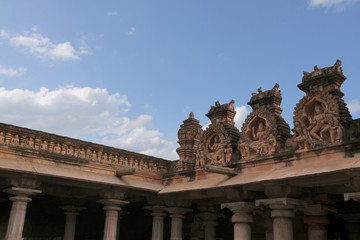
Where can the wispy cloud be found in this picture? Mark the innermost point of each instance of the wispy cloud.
(354, 106)
(114, 13)
(91, 114)
(327, 4)
(12, 72)
(84, 49)
(131, 31)
(42, 47)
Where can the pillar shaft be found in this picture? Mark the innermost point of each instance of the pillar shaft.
(242, 231)
(242, 225)
(210, 230)
(282, 210)
(268, 224)
(111, 220)
(316, 220)
(18, 211)
(316, 227)
(241, 219)
(158, 226)
(17, 218)
(177, 214)
(176, 226)
(158, 221)
(210, 223)
(283, 229)
(111, 217)
(70, 224)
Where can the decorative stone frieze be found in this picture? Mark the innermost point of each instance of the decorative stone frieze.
(57, 148)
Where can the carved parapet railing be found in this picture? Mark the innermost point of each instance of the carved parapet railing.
(57, 148)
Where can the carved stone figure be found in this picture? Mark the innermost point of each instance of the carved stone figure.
(44, 146)
(318, 123)
(15, 140)
(300, 136)
(260, 133)
(2, 137)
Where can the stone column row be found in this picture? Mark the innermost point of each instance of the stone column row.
(282, 212)
(18, 212)
(176, 214)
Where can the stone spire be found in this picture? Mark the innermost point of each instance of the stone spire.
(264, 131)
(321, 117)
(224, 113)
(270, 99)
(328, 80)
(189, 136)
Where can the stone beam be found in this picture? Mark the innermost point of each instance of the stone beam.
(221, 170)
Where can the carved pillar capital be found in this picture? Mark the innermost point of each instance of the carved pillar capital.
(156, 208)
(239, 207)
(354, 196)
(242, 218)
(282, 210)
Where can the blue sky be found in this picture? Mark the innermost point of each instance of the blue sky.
(127, 73)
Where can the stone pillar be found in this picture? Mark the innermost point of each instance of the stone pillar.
(120, 216)
(352, 221)
(18, 211)
(242, 218)
(177, 214)
(210, 223)
(282, 210)
(268, 225)
(70, 224)
(111, 218)
(352, 225)
(158, 221)
(316, 220)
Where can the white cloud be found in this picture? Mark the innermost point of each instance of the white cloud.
(43, 47)
(112, 13)
(86, 113)
(132, 31)
(4, 34)
(12, 72)
(337, 4)
(354, 106)
(241, 114)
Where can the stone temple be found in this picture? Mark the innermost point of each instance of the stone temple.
(263, 181)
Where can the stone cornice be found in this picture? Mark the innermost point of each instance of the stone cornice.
(58, 148)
